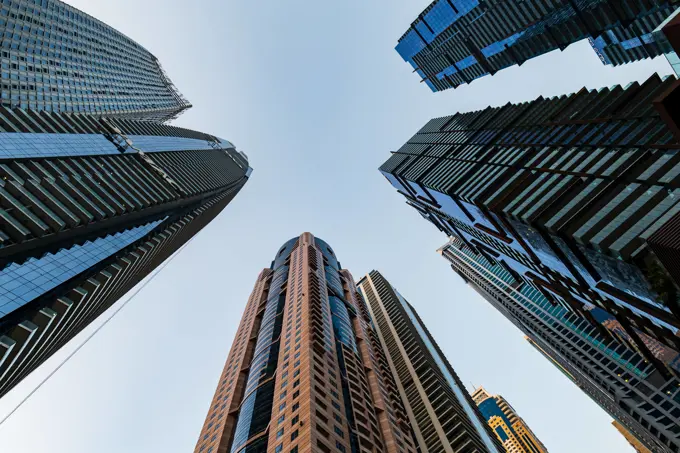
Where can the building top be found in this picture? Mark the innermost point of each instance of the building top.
(57, 55)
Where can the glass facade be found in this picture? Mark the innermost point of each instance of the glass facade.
(56, 58)
(88, 206)
(555, 191)
(453, 42)
(615, 375)
(21, 283)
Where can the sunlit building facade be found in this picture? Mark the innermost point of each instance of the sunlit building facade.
(636, 444)
(509, 427)
(453, 42)
(56, 58)
(309, 371)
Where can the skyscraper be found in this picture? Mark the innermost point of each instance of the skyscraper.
(632, 390)
(89, 204)
(669, 31)
(443, 416)
(58, 59)
(576, 194)
(309, 372)
(509, 427)
(453, 42)
(87, 211)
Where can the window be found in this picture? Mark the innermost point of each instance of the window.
(297, 393)
(281, 419)
(279, 448)
(339, 446)
(296, 406)
(294, 449)
(282, 406)
(295, 419)
(279, 433)
(338, 431)
(294, 435)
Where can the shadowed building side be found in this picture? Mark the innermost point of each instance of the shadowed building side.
(442, 413)
(88, 208)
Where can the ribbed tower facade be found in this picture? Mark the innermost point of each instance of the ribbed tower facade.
(88, 208)
(95, 191)
(443, 416)
(508, 426)
(308, 370)
(58, 59)
(453, 42)
(640, 395)
(578, 195)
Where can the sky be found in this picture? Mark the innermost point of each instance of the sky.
(314, 93)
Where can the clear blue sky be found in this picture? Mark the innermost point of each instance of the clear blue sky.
(315, 94)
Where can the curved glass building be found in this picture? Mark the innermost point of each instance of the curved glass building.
(95, 191)
(309, 372)
(56, 58)
(88, 208)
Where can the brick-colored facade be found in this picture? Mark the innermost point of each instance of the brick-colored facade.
(306, 372)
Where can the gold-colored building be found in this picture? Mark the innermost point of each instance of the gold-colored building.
(511, 430)
(632, 440)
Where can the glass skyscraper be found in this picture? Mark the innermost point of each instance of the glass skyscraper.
(577, 194)
(58, 59)
(313, 370)
(624, 383)
(562, 210)
(95, 191)
(453, 42)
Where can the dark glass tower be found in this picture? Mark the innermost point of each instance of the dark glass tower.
(453, 42)
(578, 194)
(59, 59)
(89, 204)
(309, 371)
(88, 208)
(624, 383)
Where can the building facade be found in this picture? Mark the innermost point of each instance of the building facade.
(623, 382)
(509, 427)
(453, 42)
(636, 444)
(58, 59)
(308, 371)
(88, 208)
(443, 416)
(577, 194)
(96, 192)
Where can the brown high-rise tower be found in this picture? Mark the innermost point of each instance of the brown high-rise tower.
(307, 371)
